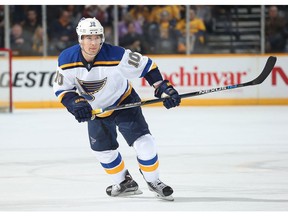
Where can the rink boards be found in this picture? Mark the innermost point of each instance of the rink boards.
(33, 79)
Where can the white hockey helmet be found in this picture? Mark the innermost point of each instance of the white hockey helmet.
(89, 26)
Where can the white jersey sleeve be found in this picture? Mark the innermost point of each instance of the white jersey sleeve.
(104, 82)
(64, 82)
(134, 65)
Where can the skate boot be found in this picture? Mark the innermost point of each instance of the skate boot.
(160, 189)
(125, 188)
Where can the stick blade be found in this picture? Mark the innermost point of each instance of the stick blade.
(271, 61)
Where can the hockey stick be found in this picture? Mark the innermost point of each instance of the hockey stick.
(258, 80)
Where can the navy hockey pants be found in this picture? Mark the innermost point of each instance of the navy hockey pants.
(131, 123)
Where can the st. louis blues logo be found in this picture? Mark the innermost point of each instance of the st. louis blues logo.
(88, 88)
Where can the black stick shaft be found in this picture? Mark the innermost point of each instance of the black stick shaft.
(263, 75)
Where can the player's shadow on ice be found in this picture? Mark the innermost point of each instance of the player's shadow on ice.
(211, 199)
(227, 199)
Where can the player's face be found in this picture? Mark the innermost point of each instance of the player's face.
(91, 44)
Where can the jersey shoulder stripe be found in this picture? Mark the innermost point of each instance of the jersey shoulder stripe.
(106, 63)
(71, 65)
(70, 58)
(109, 55)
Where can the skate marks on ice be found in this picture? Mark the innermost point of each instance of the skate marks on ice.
(182, 199)
(266, 166)
(122, 203)
(217, 160)
(227, 199)
(155, 197)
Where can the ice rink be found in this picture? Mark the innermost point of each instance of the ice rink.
(215, 158)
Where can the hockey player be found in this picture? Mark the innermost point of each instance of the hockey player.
(94, 74)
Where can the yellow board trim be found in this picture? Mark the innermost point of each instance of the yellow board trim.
(185, 102)
(116, 169)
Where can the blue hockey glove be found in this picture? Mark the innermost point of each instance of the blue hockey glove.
(79, 107)
(172, 98)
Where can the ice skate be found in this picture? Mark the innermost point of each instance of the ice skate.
(126, 188)
(160, 189)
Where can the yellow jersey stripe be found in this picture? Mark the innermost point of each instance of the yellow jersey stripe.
(74, 64)
(153, 66)
(106, 62)
(108, 113)
(62, 94)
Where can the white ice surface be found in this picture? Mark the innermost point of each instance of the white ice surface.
(215, 158)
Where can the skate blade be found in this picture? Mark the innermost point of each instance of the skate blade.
(168, 198)
(130, 193)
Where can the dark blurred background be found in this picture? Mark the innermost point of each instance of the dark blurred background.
(45, 30)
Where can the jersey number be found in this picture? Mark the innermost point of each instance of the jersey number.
(59, 78)
(134, 59)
